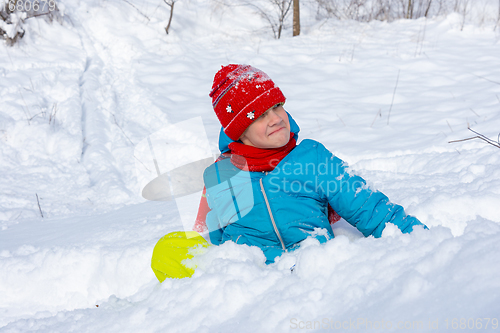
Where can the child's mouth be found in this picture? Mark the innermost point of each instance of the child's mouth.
(276, 131)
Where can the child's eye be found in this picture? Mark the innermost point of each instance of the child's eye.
(277, 106)
(264, 115)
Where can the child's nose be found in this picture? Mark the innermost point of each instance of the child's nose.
(274, 118)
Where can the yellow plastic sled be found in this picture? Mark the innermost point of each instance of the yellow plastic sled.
(171, 250)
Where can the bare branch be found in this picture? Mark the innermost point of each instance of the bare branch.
(276, 20)
(52, 116)
(482, 77)
(171, 4)
(116, 123)
(137, 9)
(484, 138)
(393, 94)
(474, 137)
(480, 136)
(379, 114)
(38, 201)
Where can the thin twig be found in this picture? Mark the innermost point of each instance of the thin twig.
(33, 91)
(10, 58)
(493, 144)
(474, 137)
(393, 94)
(137, 10)
(37, 15)
(53, 117)
(449, 125)
(125, 134)
(32, 86)
(482, 77)
(40, 208)
(340, 119)
(379, 113)
(276, 26)
(421, 41)
(480, 136)
(116, 123)
(35, 116)
(29, 113)
(142, 163)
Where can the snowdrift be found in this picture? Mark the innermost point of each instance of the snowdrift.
(77, 96)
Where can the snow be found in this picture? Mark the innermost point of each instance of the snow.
(79, 96)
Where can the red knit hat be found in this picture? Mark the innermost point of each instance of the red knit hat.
(240, 94)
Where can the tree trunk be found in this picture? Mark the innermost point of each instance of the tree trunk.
(428, 7)
(296, 18)
(409, 12)
(498, 19)
(171, 14)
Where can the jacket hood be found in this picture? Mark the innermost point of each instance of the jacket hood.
(224, 140)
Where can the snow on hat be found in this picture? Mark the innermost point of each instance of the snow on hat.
(240, 94)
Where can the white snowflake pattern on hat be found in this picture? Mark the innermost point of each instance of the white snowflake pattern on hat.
(228, 109)
(251, 114)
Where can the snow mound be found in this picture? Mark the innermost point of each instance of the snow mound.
(78, 96)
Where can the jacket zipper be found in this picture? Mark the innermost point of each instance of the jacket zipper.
(271, 215)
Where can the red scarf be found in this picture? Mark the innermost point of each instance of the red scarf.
(250, 158)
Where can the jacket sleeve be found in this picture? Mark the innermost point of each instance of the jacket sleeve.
(214, 230)
(352, 199)
(207, 220)
(210, 218)
(200, 224)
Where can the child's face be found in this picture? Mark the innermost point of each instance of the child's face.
(270, 130)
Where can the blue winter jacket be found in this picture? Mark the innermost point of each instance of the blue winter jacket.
(277, 210)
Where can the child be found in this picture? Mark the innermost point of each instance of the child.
(267, 191)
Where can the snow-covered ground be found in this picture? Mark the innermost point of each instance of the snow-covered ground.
(76, 97)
